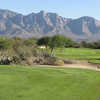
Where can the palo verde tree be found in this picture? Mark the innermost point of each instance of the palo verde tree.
(57, 41)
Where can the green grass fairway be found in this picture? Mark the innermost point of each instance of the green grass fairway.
(45, 83)
(92, 55)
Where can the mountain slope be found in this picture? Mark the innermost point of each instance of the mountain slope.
(43, 24)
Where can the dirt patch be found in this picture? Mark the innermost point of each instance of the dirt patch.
(81, 66)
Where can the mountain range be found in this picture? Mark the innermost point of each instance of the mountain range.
(48, 24)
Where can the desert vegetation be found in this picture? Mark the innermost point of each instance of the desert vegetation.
(26, 52)
(56, 49)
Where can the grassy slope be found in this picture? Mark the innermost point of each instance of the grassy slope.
(92, 55)
(38, 83)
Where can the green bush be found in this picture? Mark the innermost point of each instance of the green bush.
(5, 44)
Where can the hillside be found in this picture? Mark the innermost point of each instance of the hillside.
(43, 24)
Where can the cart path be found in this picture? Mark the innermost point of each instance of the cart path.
(81, 66)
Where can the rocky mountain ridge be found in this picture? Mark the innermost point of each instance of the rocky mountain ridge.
(48, 24)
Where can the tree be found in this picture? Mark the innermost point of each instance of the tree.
(84, 44)
(69, 43)
(44, 41)
(57, 41)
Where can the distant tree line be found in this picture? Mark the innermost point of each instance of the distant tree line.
(93, 45)
(56, 41)
(62, 41)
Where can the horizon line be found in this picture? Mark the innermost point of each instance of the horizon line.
(24, 14)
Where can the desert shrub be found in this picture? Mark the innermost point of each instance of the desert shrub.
(5, 44)
(45, 53)
(15, 60)
(35, 52)
(39, 60)
(31, 60)
(5, 60)
(41, 53)
(50, 60)
(22, 56)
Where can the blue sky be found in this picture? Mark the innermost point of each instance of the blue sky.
(66, 8)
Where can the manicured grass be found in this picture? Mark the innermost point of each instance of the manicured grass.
(45, 83)
(94, 61)
(92, 55)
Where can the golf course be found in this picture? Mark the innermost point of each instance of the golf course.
(49, 50)
(90, 55)
(45, 69)
(48, 83)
